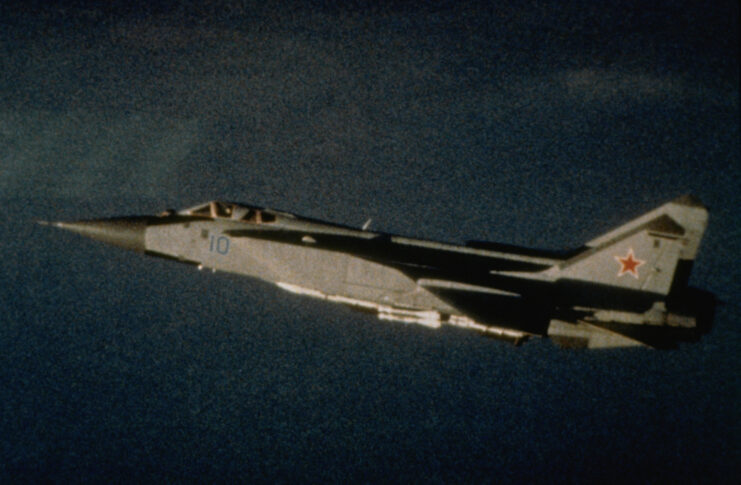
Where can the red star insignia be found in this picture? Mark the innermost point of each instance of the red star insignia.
(629, 264)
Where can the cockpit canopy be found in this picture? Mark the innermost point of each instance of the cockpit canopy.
(231, 210)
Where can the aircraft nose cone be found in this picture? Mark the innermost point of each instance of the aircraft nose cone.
(125, 232)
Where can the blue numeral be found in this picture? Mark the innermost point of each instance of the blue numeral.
(220, 244)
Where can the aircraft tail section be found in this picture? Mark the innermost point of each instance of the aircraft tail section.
(652, 253)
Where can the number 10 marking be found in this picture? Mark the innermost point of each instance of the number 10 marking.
(219, 244)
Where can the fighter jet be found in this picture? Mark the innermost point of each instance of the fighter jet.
(625, 288)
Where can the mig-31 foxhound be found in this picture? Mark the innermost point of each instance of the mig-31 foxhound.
(625, 288)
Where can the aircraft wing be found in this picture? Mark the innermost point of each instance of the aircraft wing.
(463, 279)
(492, 307)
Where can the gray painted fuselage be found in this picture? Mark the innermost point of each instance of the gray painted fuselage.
(618, 290)
(208, 244)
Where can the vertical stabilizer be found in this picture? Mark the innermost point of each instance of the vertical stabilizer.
(653, 252)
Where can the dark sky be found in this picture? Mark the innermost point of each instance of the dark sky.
(534, 123)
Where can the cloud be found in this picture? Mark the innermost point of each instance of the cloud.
(591, 84)
(78, 153)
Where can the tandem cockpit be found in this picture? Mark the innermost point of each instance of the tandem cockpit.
(234, 211)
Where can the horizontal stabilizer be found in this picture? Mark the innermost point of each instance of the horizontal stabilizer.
(585, 335)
